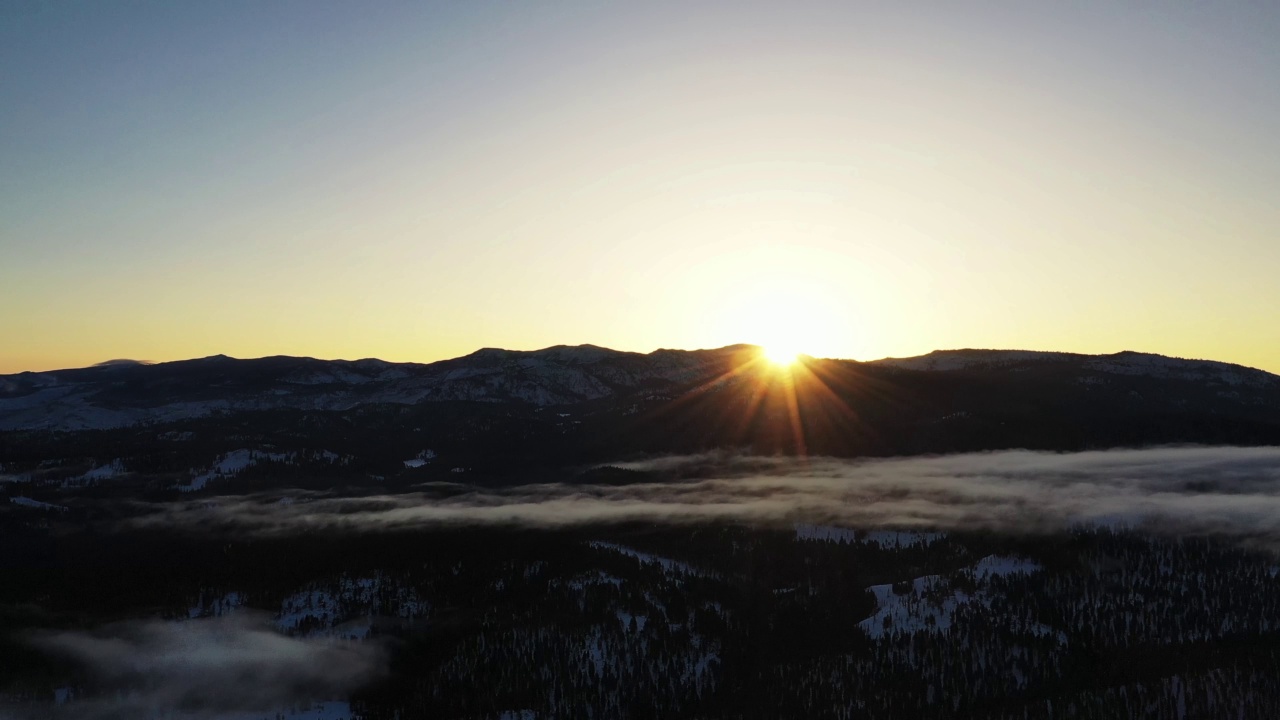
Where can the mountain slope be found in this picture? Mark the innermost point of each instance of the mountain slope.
(118, 395)
(485, 411)
(1121, 363)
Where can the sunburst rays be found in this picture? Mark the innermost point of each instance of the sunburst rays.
(766, 394)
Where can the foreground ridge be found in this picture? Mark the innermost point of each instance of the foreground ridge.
(122, 394)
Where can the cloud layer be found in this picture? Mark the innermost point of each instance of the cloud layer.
(213, 667)
(207, 668)
(1227, 490)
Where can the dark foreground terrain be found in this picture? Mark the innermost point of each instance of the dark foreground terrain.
(582, 533)
(709, 620)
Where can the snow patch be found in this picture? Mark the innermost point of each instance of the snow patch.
(668, 565)
(421, 459)
(886, 539)
(231, 464)
(625, 618)
(1003, 566)
(97, 474)
(28, 502)
(929, 603)
(348, 612)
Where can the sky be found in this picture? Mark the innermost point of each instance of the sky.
(414, 181)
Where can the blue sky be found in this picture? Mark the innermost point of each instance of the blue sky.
(415, 180)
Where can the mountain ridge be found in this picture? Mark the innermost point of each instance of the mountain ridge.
(125, 394)
(903, 361)
(119, 395)
(1124, 362)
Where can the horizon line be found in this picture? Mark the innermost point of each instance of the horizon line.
(122, 362)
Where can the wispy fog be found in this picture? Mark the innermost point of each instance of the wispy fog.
(1218, 490)
(206, 668)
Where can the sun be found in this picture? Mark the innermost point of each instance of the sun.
(782, 355)
(784, 333)
(783, 316)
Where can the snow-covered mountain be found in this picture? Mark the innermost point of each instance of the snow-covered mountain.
(122, 394)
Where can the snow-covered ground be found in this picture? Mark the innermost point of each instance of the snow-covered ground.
(1003, 566)
(887, 539)
(1160, 366)
(930, 603)
(421, 459)
(231, 464)
(345, 611)
(98, 474)
(550, 377)
(599, 578)
(625, 618)
(324, 608)
(349, 611)
(28, 502)
(176, 435)
(668, 565)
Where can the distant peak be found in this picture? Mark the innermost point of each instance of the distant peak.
(489, 352)
(577, 352)
(563, 353)
(121, 362)
(584, 346)
(965, 358)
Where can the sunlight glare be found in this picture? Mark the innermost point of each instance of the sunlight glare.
(781, 355)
